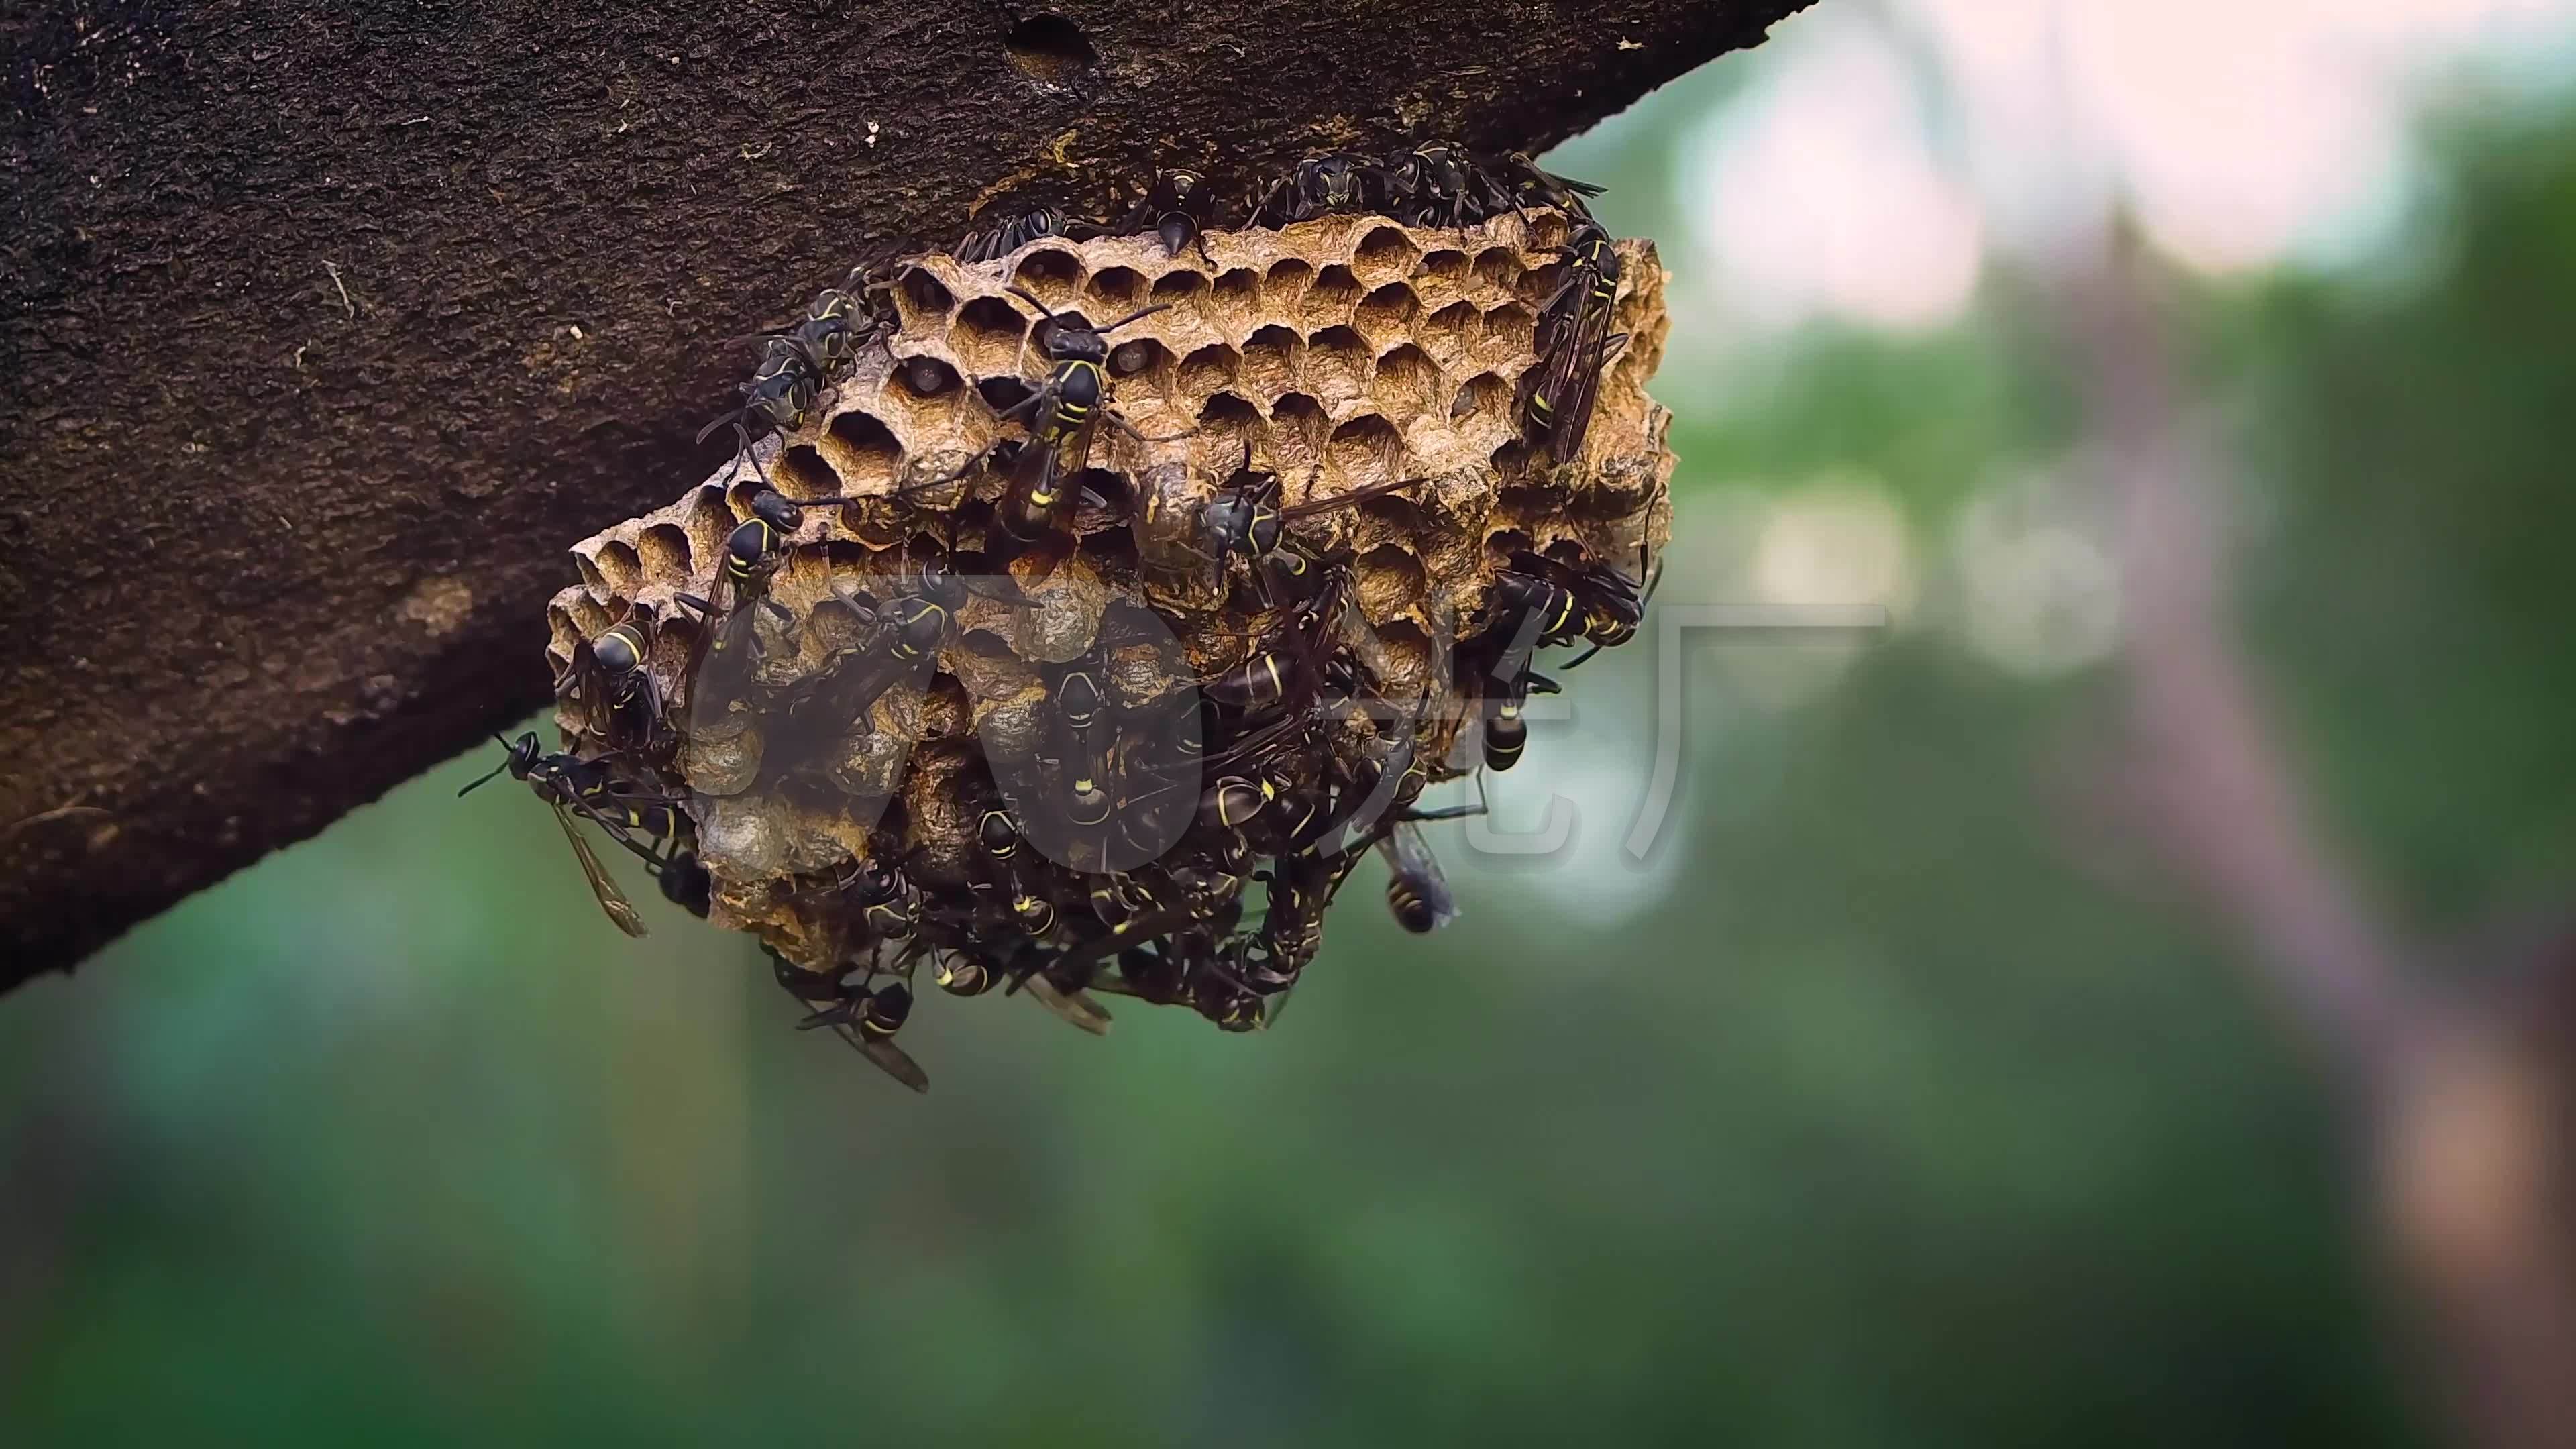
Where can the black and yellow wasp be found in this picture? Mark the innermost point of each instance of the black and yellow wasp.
(721, 658)
(796, 365)
(1574, 342)
(1061, 416)
(867, 1020)
(611, 676)
(574, 786)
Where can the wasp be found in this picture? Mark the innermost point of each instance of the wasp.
(1187, 923)
(867, 1020)
(1005, 237)
(1318, 186)
(872, 1030)
(1286, 673)
(781, 393)
(1057, 987)
(998, 834)
(611, 677)
(1174, 208)
(1439, 184)
(686, 882)
(1302, 885)
(829, 334)
(1592, 601)
(1218, 992)
(1244, 520)
(1506, 733)
(1061, 416)
(1416, 890)
(1269, 802)
(1575, 343)
(1078, 703)
(1529, 186)
(909, 632)
(960, 974)
(890, 905)
(722, 654)
(796, 365)
(572, 785)
(1537, 602)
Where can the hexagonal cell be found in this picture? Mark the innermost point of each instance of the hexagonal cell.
(592, 580)
(1388, 579)
(1485, 392)
(1446, 266)
(1179, 286)
(619, 569)
(1450, 335)
(1227, 412)
(1509, 328)
(921, 303)
(1115, 292)
(1406, 387)
(1337, 365)
(1537, 285)
(1498, 269)
(1138, 355)
(1547, 231)
(801, 473)
(1234, 301)
(1384, 254)
(922, 377)
(865, 453)
(576, 616)
(1284, 286)
(1052, 275)
(1330, 298)
(1270, 360)
(1004, 392)
(1387, 315)
(987, 336)
(662, 551)
(1365, 449)
(1207, 370)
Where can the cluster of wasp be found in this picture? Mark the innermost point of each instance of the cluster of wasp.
(1041, 707)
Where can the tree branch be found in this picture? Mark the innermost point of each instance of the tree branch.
(2214, 786)
(327, 327)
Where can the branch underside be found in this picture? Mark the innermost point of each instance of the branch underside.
(327, 328)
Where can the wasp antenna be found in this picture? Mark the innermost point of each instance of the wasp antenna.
(1043, 309)
(487, 777)
(1130, 317)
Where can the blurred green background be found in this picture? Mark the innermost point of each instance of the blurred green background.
(1892, 1100)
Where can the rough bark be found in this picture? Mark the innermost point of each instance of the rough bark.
(323, 329)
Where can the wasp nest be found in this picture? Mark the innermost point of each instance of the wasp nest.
(1022, 687)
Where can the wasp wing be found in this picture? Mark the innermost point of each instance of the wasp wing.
(611, 899)
(897, 1062)
(1074, 1006)
(1409, 859)
(1351, 499)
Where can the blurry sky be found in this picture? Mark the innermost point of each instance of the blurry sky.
(1885, 148)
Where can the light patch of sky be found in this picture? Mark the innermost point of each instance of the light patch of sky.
(2039, 592)
(1867, 168)
(1817, 190)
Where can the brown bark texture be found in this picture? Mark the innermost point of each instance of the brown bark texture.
(325, 328)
